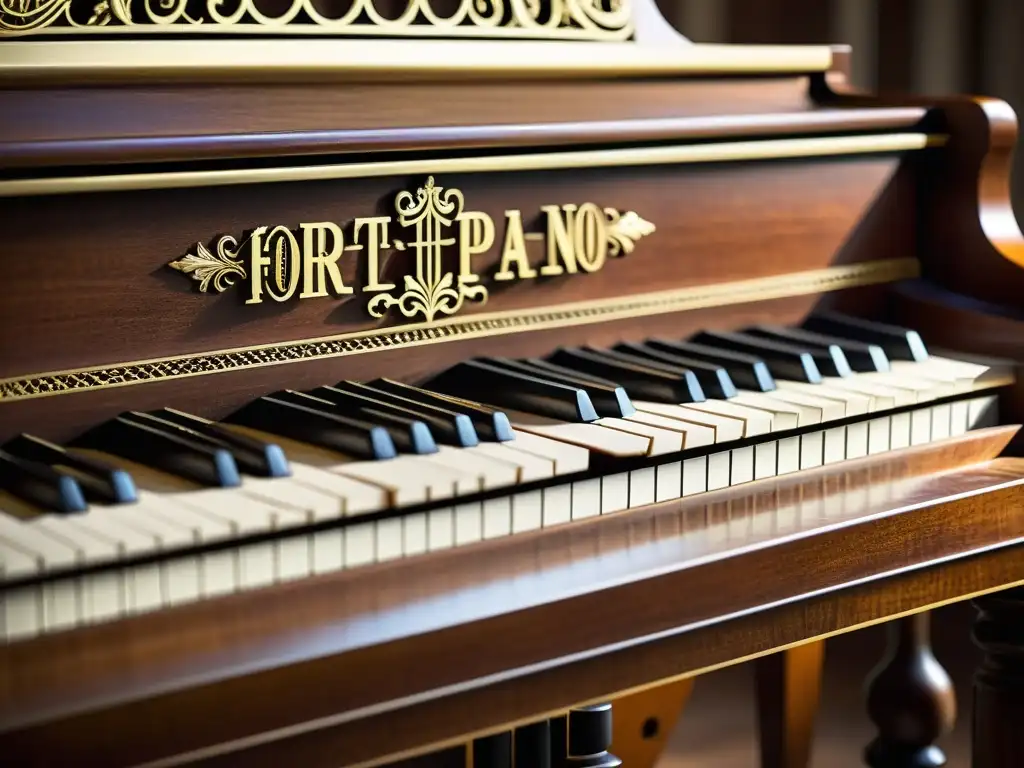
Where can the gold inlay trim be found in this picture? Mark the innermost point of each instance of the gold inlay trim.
(92, 60)
(733, 151)
(457, 329)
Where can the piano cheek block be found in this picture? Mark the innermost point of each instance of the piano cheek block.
(537, 305)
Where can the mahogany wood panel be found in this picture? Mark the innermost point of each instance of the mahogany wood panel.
(157, 109)
(339, 644)
(788, 694)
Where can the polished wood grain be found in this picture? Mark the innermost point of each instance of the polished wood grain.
(788, 693)
(644, 721)
(463, 632)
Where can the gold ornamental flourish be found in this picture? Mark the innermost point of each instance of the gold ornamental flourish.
(593, 20)
(458, 329)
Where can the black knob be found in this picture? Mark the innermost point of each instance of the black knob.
(533, 745)
(590, 736)
(493, 751)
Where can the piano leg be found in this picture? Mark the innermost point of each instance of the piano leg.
(644, 721)
(998, 728)
(910, 700)
(788, 691)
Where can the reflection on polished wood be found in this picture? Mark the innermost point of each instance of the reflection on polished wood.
(788, 691)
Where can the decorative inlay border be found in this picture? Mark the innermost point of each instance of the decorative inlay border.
(456, 329)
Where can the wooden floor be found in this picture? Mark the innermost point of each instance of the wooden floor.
(718, 728)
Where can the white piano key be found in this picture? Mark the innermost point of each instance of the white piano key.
(854, 403)
(328, 550)
(221, 572)
(414, 531)
(458, 481)
(246, 514)
(614, 493)
(390, 539)
(668, 483)
(15, 564)
(94, 547)
(718, 470)
(144, 588)
(878, 435)
(62, 604)
(586, 498)
(169, 534)
(357, 497)
(694, 435)
(941, 418)
(726, 427)
(662, 441)
(695, 475)
(923, 389)
(103, 596)
(784, 415)
(469, 523)
(204, 527)
(741, 465)
(899, 431)
(440, 529)
(765, 459)
(856, 440)
(920, 427)
(50, 552)
(556, 504)
(835, 445)
(958, 413)
(257, 564)
(812, 450)
(528, 512)
(492, 471)
(183, 580)
(642, 487)
(360, 544)
(294, 558)
(297, 503)
(497, 517)
(127, 539)
(756, 421)
(529, 466)
(788, 455)
(592, 437)
(882, 398)
(22, 613)
(406, 482)
(568, 458)
(815, 409)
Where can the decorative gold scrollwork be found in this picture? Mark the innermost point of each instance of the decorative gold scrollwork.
(523, 19)
(222, 269)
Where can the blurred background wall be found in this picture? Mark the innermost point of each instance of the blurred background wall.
(921, 46)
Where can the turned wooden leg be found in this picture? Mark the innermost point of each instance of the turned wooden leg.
(910, 700)
(788, 691)
(998, 724)
(642, 722)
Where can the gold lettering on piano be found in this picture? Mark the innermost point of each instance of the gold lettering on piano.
(277, 263)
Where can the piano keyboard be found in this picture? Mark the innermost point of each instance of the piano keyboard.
(153, 510)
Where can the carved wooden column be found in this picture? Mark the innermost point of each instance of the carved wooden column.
(998, 728)
(910, 700)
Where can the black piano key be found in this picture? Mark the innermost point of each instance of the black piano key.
(356, 437)
(252, 456)
(98, 480)
(445, 425)
(40, 485)
(746, 371)
(830, 358)
(409, 435)
(714, 379)
(862, 357)
(490, 425)
(783, 360)
(477, 381)
(898, 343)
(641, 378)
(157, 448)
(493, 751)
(608, 398)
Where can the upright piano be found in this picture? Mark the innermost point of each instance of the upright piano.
(407, 382)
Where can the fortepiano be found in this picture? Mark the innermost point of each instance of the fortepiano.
(398, 384)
